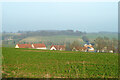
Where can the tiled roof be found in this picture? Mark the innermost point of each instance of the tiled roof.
(24, 45)
(80, 48)
(39, 45)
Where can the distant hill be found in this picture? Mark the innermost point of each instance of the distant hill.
(110, 35)
(52, 36)
(55, 39)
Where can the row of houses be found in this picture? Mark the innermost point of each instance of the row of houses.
(34, 46)
(40, 46)
(86, 48)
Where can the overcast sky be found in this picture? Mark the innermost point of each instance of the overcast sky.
(83, 16)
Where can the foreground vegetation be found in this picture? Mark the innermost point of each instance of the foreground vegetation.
(32, 63)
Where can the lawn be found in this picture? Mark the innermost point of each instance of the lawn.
(32, 63)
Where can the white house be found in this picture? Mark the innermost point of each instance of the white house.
(89, 47)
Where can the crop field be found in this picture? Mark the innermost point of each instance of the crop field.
(56, 39)
(61, 38)
(32, 63)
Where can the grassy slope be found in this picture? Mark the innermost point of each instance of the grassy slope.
(29, 63)
(52, 38)
(61, 38)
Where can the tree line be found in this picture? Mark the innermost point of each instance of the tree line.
(100, 44)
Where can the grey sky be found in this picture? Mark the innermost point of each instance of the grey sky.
(83, 16)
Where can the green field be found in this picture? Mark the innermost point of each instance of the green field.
(31, 63)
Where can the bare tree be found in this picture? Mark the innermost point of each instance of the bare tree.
(100, 43)
(106, 44)
(75, 44)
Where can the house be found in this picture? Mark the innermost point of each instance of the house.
(34, 46)
(89, 47)
(39, 46)
(57, 47)
(23, 46)
(83, 49)
(111, 51)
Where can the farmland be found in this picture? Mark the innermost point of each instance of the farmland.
(55, 39)
(32, 63)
